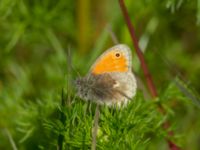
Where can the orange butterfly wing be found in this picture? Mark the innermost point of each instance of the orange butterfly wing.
(114, 60)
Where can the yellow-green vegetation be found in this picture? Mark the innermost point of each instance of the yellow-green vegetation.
(39, 108)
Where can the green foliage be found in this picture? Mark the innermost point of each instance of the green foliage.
(128, 127)
(34, 39)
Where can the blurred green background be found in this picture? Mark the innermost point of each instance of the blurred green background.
(34, 40)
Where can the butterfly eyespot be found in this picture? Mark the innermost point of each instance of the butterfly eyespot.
(117, 55)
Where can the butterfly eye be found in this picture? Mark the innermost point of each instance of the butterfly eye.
(78, 82)
(117, 55)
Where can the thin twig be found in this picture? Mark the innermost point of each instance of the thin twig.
(145, 69)
(95, 127)
(69, 68)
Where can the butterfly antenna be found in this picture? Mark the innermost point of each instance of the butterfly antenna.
(69, 63)
(112, 34)
(70, 68)
(78, 73)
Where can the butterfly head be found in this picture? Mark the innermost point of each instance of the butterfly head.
(83, 87)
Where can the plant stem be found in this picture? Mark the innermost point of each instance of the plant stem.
(147, 74)
(95, 128)
(69, 68)
(62, 119)
(145, 69)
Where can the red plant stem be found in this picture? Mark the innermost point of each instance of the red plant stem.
(147, 75)
(145, 69)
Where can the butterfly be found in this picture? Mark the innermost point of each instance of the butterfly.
(110, 80)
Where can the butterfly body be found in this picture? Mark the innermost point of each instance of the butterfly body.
(110, 80)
